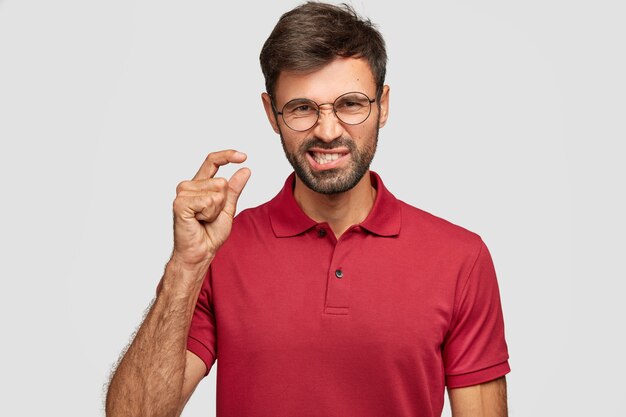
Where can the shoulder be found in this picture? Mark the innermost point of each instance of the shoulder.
(439, 232)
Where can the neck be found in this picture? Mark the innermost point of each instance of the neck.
(340, 210)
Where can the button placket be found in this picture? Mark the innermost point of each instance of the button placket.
(338, 281)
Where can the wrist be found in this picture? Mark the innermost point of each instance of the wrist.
(181, 275)
(182, 263)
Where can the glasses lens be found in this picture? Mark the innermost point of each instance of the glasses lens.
(353, 108)
(300, 114)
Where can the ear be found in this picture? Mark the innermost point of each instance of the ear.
(384, 106)
(269, 111)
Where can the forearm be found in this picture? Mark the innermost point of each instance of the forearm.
(484, 400)
(150, 376)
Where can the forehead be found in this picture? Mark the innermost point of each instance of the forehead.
(340, 76)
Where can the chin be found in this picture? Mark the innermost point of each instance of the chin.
(331, 181)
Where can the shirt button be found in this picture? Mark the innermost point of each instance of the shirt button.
(321, 232)
(339, 273)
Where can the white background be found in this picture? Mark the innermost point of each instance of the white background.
(506, 118)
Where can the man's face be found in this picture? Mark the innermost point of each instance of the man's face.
(331, 157)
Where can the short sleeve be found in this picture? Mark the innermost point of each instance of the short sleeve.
(202, 340)
(475, 349)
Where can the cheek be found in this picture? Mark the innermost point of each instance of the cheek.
(357, 131)
(293, 141)
(363, 132)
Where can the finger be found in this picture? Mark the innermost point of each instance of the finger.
(210, 184)
(217, 159)
(209, 207)
(204, 207)
(236, 183)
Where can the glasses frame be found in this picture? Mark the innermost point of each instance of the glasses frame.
(319, 108)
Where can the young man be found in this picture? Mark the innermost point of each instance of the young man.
(334, 298)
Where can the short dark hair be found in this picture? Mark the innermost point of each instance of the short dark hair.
(313, 34)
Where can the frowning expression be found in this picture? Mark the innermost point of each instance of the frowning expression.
(332, 156)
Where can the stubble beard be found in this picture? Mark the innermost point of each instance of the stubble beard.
(335, 180)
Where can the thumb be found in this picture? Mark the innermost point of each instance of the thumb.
(236, 183)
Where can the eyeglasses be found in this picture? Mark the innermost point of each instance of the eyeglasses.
(302, 114)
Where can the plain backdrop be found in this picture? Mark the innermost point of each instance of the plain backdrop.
(506, 118)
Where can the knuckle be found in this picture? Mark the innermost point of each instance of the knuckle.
(176, 205)
(220, 183)
(218, 198)
(181, 186)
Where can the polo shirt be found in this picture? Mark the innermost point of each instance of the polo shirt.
(375, 323)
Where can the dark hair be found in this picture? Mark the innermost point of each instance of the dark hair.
(313, 34)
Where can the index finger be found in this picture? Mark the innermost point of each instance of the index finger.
(214, 160)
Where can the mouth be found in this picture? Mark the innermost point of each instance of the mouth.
(322, 159)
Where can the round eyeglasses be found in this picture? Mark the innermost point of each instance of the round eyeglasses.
(302, 114)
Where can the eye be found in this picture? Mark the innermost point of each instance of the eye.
(352, 103)
(299, 108)
(302, 108)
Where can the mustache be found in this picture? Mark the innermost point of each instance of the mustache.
(321, 144)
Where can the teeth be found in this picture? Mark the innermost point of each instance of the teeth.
(324, 158)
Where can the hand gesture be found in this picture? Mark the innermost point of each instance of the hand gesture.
(204, 209)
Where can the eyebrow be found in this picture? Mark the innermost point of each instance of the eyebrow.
(347, 94)
(299, 99)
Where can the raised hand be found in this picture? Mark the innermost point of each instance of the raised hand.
(150, 378)
(204, 209)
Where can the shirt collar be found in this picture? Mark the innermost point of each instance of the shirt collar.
(288, 219)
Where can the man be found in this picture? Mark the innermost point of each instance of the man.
(334, 298)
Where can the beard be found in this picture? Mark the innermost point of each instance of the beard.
(335, 180)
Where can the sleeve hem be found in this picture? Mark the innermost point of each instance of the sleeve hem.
(197, 348)
(478, 377)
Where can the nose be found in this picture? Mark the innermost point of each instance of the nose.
(328, 127)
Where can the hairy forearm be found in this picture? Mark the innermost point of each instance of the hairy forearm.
(484, 400)
(149, 378)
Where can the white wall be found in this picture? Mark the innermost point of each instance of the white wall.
(506, 118)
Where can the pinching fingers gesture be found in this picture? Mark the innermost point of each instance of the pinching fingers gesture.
(204, 209)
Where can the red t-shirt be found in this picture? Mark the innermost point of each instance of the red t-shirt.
(376, 323)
